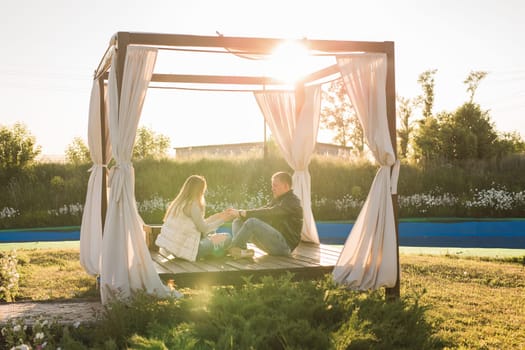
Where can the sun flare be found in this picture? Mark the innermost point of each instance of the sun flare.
(288, 62)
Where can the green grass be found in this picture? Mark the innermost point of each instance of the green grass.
(469, 301)
(464, 252)
(40, 245)
(474, 304)
(481, 252)
(457, 219)
(57, 228)
(493, 253)
(53, 274)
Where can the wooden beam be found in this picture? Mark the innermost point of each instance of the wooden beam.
(243, 44)
(214, 79)
(210, 79)
(251, 45)
(105, 63)
(322, 73)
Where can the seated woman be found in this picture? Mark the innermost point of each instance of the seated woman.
(185, 232)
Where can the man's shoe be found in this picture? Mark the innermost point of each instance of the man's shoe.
(238, 253)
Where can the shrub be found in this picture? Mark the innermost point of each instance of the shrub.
(277, 313)
(121, 320)
(270, 315)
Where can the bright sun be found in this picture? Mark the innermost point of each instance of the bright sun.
(288, 62)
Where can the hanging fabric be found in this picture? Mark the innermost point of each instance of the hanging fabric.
(294, 126)
(91, 227)
(126, 264)
(369, 257)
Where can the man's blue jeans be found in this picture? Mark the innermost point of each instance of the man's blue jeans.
(264, 236)
(208, 249)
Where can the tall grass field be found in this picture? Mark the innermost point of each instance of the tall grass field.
(47, 195)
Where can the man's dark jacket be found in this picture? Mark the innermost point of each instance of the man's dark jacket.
(285, 214)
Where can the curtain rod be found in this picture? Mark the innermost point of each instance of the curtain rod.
(213, 90)
(244, 53)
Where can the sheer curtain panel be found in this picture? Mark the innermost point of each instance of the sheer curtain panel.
(369, 257)
(126, 261)
(295, 131)
(91, 227)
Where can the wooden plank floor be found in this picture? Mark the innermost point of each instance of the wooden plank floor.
(308, 261)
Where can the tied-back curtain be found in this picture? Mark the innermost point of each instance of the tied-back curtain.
(91, 227)
(296, 134)
(369, 257)
(126, 261)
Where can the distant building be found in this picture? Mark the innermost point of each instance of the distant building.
(51, 158)
(253, 148)
(328, 149)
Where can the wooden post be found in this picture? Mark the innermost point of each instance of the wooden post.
(265, 145)
(300, 96)
(103, 133)
(394, 292)
(122, 48)
(122, 45)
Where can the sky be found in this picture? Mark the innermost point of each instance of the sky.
(50, 49)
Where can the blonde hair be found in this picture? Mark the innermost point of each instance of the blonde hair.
(192, 190)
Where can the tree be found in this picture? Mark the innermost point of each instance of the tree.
(472, 81)
(510, 143)
(404, 114)
(476, 124)
(17, 147)
(426, 100)
(467, 133)
(339, 116)
(427, 140)
(148, 144)
(77, 152)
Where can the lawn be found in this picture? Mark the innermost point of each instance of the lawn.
(476, 304)
(470, 302)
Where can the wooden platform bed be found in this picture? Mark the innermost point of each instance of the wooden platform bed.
(307, 261)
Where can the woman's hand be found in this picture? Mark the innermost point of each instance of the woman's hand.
(229, 214)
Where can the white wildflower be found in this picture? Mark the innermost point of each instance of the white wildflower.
(39, 335)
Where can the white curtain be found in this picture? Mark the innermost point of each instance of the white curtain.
(369, 257)
(91, 228)
(126, 261)
(296, 134)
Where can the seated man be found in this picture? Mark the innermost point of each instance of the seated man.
(275, 228)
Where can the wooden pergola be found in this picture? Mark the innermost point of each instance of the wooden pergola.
(244, 46)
